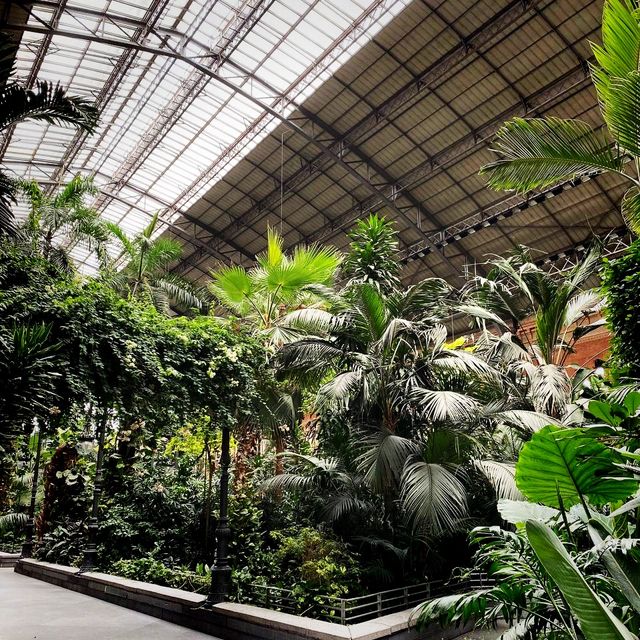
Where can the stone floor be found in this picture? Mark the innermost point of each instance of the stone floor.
(35, 610)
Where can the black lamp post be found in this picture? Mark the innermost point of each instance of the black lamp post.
(27, 546)
(91, 549)
(221, 571)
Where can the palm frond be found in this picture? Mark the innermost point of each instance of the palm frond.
(538, 153)
(47, 102)
(182, 292)
(550, 389)
(342, 505)
(383, 458)
(620, 50)
(502, 476)
(288, 482)
(583, 303)
(340, 390)
(530, 421)
(442, 406)
(434, 499)
(75, 191)
(232, 287)
(310, 321)
(12, 521)
(630, 209)
(620, 111)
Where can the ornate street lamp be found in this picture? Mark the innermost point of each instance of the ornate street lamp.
(27, 546)
(91, 548)
(221, 571)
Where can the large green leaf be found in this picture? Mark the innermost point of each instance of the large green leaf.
(541, 152)
(620, 50)
(571, 464)
(596, 621)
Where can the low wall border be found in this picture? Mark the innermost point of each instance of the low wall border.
(229, 621)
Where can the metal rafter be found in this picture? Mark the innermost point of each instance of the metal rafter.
(480, 37)
(244, 19)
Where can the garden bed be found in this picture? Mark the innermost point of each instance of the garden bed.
(229, 621)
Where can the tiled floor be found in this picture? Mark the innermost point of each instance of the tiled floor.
(35, 610)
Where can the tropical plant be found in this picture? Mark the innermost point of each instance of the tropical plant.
(29, 370)
(562, 306)
(372, 254)
(64, 217)
(540, 152)
(146, 275)
(414, 406)
(44, 103)
(571, 570)
(262, 296)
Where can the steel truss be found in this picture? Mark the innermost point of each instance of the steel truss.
(333, 148)
(273, 104)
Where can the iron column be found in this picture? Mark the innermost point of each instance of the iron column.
(221, 572)
(91, 549)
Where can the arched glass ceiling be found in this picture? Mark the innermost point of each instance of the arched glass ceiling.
(186, 89)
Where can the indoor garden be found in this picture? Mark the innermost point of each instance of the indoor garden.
(313, 431)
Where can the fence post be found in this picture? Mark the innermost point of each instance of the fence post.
(406, 596)
(379, 604)
(343, 611)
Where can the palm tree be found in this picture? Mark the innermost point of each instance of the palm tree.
(540, 152)
(561, 305)
(413, 404)
(372, 256)
(44, 103)
(146, 274)
(64, 217)
(28, 367)
(262, 296)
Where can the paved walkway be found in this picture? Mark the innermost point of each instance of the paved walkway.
(35, 610)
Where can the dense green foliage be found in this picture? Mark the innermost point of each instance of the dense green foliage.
(621, 280)
(368, 444)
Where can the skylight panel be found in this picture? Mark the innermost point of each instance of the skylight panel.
(166, 129)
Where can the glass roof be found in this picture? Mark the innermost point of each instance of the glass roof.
(169, 130)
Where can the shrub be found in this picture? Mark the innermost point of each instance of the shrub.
(151, 570)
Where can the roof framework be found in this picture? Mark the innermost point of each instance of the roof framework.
(228, 116)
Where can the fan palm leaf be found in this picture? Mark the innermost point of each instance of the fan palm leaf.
(383, 458)
(433, 498)
(443, 406)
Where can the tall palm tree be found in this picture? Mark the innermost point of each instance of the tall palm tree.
(46, 102)
(146, 273)
(561, 304)
(540, 152)
(262, 296)
(64, 217)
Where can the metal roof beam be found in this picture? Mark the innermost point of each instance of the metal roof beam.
(480, 37)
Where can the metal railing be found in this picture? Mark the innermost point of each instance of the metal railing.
(358, 608)
(340, 610)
